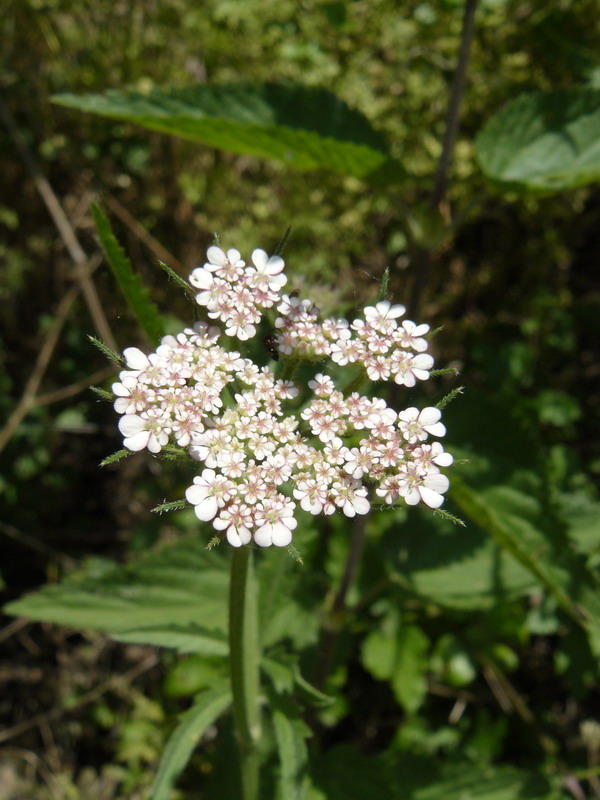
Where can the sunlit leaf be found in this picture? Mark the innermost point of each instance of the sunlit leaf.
(543, 142)
(306, 128)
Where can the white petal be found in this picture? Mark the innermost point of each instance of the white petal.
(395, 311)
(131, 424)
(121, 404)
(259, 259)
(437, 482)
(430, 415)
(281, 535)
(155, 444)
(431, 498)
(274, 265)
(196, 494)
(137, 442)
(262, 536)
(201, 278)
(422, 361)
(216, 256)
(135, 359)
(361, 505)
(120, 390)
(233, 537)
(234, 256)
(443, 460)
(412, 497)
(207, 509)
(435, 430)
(348, 509)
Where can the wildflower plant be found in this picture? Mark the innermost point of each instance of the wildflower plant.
(266, 444)
(300, 427)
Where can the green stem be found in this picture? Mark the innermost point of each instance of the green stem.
(244, 666)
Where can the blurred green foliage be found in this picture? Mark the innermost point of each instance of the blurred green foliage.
(467, 660)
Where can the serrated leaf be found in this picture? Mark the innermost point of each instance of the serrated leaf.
(305, 127)
(188, 638)
(206, 709)
(181, 585)
(130, 284)
(543, 142)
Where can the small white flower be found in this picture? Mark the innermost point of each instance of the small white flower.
(415, 424)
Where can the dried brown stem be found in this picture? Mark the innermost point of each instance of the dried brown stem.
(142, 234)
(56, 713)
(65, 229)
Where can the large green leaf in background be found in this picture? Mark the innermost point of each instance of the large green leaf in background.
(304, 127)
(164, 599)
(345, 774)
(543, 142)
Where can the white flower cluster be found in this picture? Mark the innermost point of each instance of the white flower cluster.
(260, 459)
(384, 348)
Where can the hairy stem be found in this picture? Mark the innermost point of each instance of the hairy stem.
(244, 667)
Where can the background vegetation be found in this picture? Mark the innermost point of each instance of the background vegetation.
(465, 659)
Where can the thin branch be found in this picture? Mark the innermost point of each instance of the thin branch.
(64, 228)
(453, 114)
(45, 354)
(331, 630)
(142, 234)
(423, 256)
(74, 388)
(56, 713)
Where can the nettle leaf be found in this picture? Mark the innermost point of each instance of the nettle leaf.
(543, 142)
(165, 599)
(130, 284)
(206, 709)
(305, 127)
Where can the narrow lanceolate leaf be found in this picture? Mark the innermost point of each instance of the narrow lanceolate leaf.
(207, 708)
(120, 454)
(290, 735)
(188, 638)
(306, 128)
(543, 142)
(102, 394)
(177, 278)
(129, 283)
(105, 350)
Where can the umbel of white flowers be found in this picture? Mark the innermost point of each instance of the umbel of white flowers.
(261, 459)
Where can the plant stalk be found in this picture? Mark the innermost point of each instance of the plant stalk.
(244, 655)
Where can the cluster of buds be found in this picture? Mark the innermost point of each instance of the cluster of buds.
(264, 447)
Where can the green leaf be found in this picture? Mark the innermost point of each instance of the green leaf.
(188, 638)
(106, 351)
(114, 457)
(181, 282)
(343, 773)
(543, 142)
(306, 128)
(207, 708)
(129, 283)
(290, 734)
(180, 585)
(398, 652)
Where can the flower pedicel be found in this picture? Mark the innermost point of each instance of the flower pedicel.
(261, 459)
